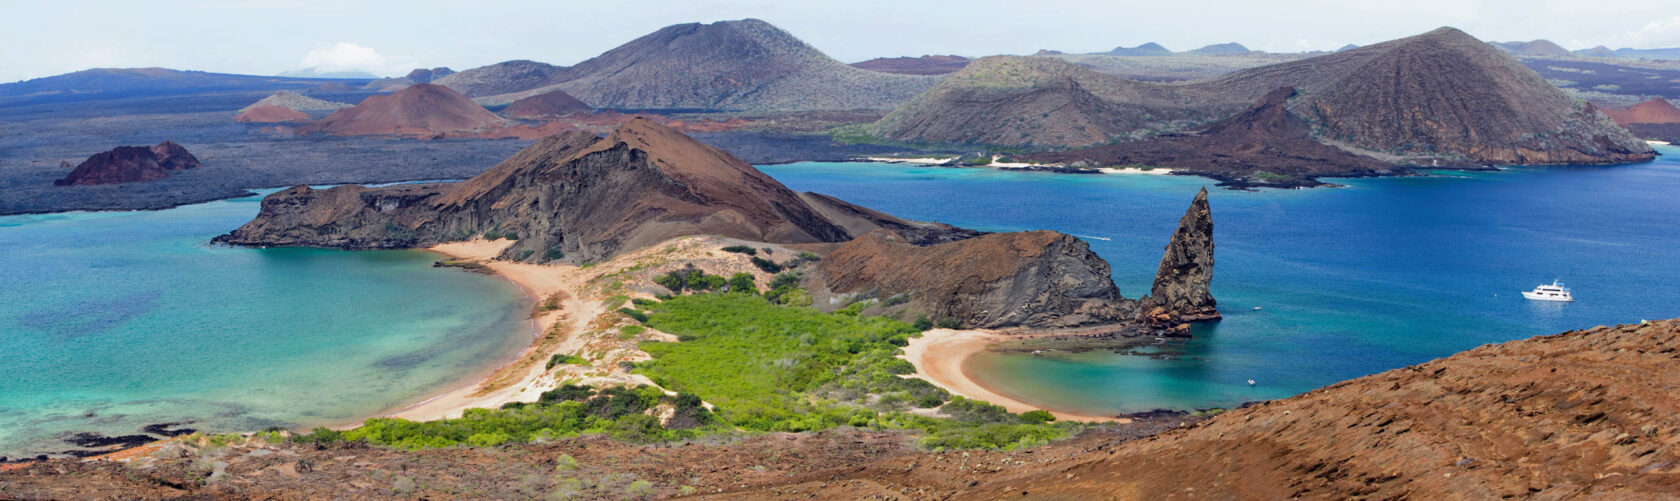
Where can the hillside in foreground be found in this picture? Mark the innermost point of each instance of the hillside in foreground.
(1587, 413)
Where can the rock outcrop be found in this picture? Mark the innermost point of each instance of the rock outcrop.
(546, 106)
(1034, 278)
(571, 194)
(1180, 293)
(131, 164)
(1040, 279)
(270, 114)
(421, 110)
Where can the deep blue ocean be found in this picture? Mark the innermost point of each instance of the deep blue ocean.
(1320, 285)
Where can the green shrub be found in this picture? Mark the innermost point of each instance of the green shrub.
(1037, 416)
(554, 253)
(635, 314)
(896, 300)
(949, 323)
(741, 249)
(643, 303)
(628, 332)
(767, 265)
(922, 323)
(742, 282)
(809, 256)
(558, 359)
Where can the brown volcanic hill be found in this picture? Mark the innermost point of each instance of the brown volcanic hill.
(419, 110)
(545, 106)
(925, 65)
(130, 164)
(1652, 111)
(570, 193)
(270, 114)
(499, 78)
(1267, 138)
(1535, 48)
(1034, 278)
(1037, 101)
(728, 65)
(1442, 94)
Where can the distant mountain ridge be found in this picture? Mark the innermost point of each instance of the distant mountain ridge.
(1441, 95)
(1152, 49)
(122, 82)
(924, 65)
(747, 65)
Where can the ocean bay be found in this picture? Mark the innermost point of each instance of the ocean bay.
(1317, 286)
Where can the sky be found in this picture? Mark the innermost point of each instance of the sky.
(265, 37)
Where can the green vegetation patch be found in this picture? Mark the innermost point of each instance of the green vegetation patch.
(776, 368)
(766, 367)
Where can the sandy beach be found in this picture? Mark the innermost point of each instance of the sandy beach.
(939, 357)
(521, 380)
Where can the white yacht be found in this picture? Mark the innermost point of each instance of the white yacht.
(1554, 292)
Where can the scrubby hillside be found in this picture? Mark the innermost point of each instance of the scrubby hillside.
(1034, 101)
(499, 78)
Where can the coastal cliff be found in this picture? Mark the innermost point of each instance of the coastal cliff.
(1041, 279)
(1034, 278)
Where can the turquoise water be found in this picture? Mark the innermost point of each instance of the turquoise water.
(1350, 281)
(112, 321)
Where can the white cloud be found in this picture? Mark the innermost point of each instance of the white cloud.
(346, 56)
(343, 56)
(1658, 33)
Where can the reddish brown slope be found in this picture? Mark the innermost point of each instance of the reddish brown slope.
(546, 106)
(421, 110)
(270, 114)
(1654, 111)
